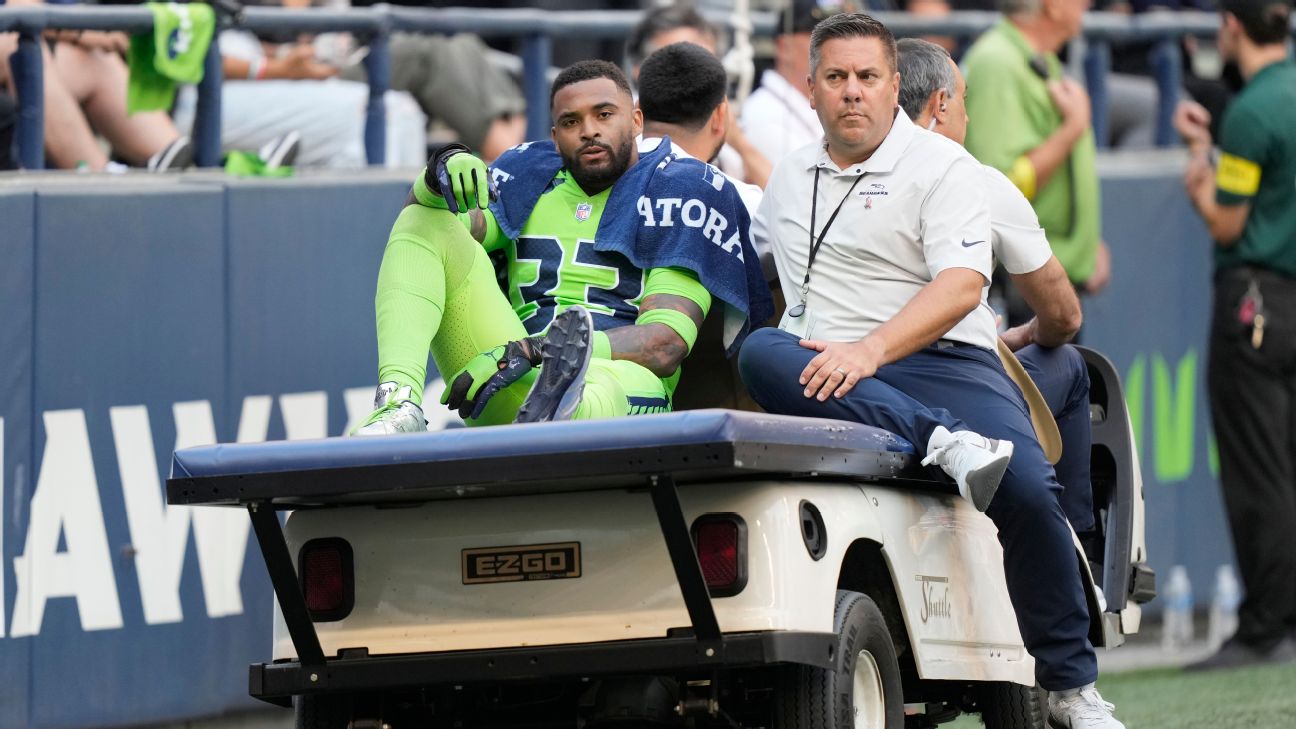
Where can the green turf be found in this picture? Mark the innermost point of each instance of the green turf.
(1171, 699)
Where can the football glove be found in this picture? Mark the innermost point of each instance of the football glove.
(460, 178)
(472, 387)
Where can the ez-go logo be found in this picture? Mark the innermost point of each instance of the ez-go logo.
(521, 563)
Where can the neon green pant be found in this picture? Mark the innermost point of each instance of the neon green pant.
(437, 291)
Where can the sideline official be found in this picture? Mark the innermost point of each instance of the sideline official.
(1249, 205)
(881, 236)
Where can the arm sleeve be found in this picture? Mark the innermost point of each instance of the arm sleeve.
(675, 282)
(1243, 145)
(956, 221)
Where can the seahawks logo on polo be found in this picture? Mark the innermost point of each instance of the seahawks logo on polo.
(668, 211)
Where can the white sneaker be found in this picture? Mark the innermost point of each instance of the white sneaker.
(975, 462)
(394, 412)
(1081, 708)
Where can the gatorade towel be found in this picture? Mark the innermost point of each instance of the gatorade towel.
(173, 53)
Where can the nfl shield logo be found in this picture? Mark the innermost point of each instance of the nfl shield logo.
(583, 211)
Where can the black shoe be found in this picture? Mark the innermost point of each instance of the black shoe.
(174, 157)
(565, 357)
(1236, 654)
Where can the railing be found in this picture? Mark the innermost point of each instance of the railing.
(538, 29)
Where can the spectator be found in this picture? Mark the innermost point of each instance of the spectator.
(85, 92)
(777, 116)
(453, 79)
(273, 91)
(8, 121)
(1249, 205)
(1032, 124)
(662, 26)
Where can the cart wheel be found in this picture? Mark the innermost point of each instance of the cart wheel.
(1006, 705)
(325, 711)
(862, 691)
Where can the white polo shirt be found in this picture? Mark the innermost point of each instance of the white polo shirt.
(777, 118)
(919, 209)
(1019, 242)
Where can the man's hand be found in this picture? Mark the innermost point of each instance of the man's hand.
(461, 179)
(1192, 121)
(299, 63)
(839, 366)
(1020, 336)
(1198, 174)
(472, 387)
(1072, 101)
(1102, 272)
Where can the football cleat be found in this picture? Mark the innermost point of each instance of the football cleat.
(394, 412)
(564, 360)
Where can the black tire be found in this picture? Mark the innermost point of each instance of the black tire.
(322, 711)
(1006, 705)
(815, 698)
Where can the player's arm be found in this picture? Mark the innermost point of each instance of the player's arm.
(675, 304)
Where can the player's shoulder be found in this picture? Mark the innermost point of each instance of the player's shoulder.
(525, 154)
(680, 175)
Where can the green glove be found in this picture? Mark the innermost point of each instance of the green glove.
(472, 387)
(460, 178)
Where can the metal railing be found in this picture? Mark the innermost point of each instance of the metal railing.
(537, 30)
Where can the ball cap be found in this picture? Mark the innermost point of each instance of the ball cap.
(801, 16)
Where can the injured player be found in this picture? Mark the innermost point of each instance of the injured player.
(612, 261)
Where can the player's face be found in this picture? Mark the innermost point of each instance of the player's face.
(595, 125)
(854, 90)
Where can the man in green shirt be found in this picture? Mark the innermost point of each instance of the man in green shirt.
(1031, 123)
(1248, 202)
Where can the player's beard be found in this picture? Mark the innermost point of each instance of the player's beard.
(597, 179)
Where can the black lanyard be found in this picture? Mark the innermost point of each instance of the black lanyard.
(799, 309)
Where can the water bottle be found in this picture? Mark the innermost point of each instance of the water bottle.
(1177, 617)
(1224, 606)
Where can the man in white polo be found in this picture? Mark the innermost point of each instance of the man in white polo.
(931, 94)
(881, 235)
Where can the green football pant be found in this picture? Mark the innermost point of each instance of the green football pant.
(437, 290)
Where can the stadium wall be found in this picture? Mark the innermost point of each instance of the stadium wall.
(143, 315)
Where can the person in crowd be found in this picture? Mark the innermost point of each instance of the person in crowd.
(1030, 122)
(85, 92)
(662, 26)
(278, 91)
(1248, 202)
(931, 94)
(648, 273)
(881, 235)
(8, 124)
(777, 117)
